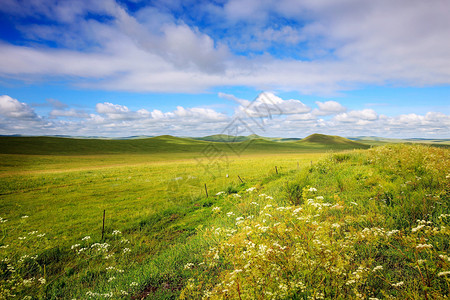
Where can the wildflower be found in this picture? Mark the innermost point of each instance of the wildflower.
(111, 278)
(335, 225)
(216, 209)
(42, 280)
(444, 273)
(398, 284)
(352, 281)
(134, 283)
(229, 214)
(421, 261)
(377, 268)
(237, 196)
(389, 233)
(3, 220)
(188, 266)
(41, 235)
(424, 246)
(75, 246)
(22, 237)
(123, 292)
(24, 217)
(178, 178)
(312, 189)
(28, 281)
(220, 193)
(319, 197)
(417, 228)
(250, 189)
(297, 210)
(86, 238)
(267, 206)
(254, 203)
(354, 203)
(239, 218)
(126, 250)
(116, 232)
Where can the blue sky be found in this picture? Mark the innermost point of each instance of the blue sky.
(189, 68)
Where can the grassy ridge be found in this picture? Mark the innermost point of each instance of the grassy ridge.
(160, 144)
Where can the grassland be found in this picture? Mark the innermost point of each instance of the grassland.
(162, 233)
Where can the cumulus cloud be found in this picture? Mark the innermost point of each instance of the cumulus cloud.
(118, 120)
(336, 45)
(12, 108)
(69, 113)
(357, 115)
(268, 104)
(329, 108)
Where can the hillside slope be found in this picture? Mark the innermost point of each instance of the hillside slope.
(166, 144)
(330, 141)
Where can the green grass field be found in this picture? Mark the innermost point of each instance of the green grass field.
(163, 235)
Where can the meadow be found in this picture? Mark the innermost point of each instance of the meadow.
(322, 224)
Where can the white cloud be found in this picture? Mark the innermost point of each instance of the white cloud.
(118, 120)
(70, 113)
(329, 108)
(12, 108)
(348, 43)
(268, 104)
(111, 109)
(357, 115)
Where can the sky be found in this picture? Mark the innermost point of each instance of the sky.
(276, 68)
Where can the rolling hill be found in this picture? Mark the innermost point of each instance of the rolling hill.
(330, 141)
(168, 144)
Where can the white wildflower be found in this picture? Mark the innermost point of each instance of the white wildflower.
(312, 189)
(398, 284)
(188, 266)
(86, 238)
(116, 232)
(377, 268)
(424, 246)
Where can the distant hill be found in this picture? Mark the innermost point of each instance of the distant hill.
(169, 144)
(226, 138)
(331, 141)
(233, 139)
(378, 141)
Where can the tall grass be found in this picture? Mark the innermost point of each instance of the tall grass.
(366, 225)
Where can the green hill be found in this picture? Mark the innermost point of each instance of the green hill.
(330, 141)
(168, 144)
